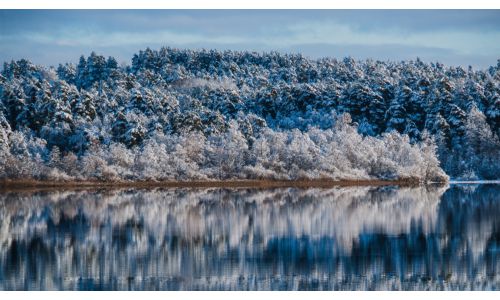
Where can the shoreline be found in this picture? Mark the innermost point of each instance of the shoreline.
(474, 182)
(246, 183)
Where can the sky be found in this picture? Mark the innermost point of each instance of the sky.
(453, 37)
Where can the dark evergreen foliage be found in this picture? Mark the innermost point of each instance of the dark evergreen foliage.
(176, 91)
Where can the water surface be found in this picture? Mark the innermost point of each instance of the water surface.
(353, 238)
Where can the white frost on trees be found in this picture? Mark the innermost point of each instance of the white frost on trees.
(226, 115)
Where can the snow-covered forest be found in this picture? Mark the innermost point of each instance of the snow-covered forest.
(182, 115)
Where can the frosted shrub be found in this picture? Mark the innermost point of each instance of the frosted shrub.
(337, 153)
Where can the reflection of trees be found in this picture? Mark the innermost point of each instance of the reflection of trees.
(344, 238)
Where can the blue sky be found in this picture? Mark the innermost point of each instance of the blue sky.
(454, 37)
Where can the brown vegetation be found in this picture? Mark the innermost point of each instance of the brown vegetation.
(303, 183)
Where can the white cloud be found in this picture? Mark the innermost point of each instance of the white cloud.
(460, 42)
(467, 45)
(120, 38)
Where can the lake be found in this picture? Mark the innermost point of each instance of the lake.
(345, 238)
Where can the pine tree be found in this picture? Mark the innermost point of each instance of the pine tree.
(67, 72)
(96, 66)
(84, 107)
(396, 116)
(14, 102)
(82, 74)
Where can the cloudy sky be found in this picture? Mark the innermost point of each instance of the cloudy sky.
(454, 37)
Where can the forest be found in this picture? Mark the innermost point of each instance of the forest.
(179, 114)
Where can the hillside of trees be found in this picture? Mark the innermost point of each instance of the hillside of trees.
(182, 114)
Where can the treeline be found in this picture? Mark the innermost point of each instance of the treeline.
(234, 102)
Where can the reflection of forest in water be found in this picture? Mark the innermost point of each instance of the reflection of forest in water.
(343, 238)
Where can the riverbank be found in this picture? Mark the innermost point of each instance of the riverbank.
(265, 183)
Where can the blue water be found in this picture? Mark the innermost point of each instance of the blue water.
(357, 238)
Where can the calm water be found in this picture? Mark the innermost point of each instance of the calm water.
(358, 238)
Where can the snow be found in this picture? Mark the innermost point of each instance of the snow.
(229, 102)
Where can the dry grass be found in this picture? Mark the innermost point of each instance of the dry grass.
(303, 183)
